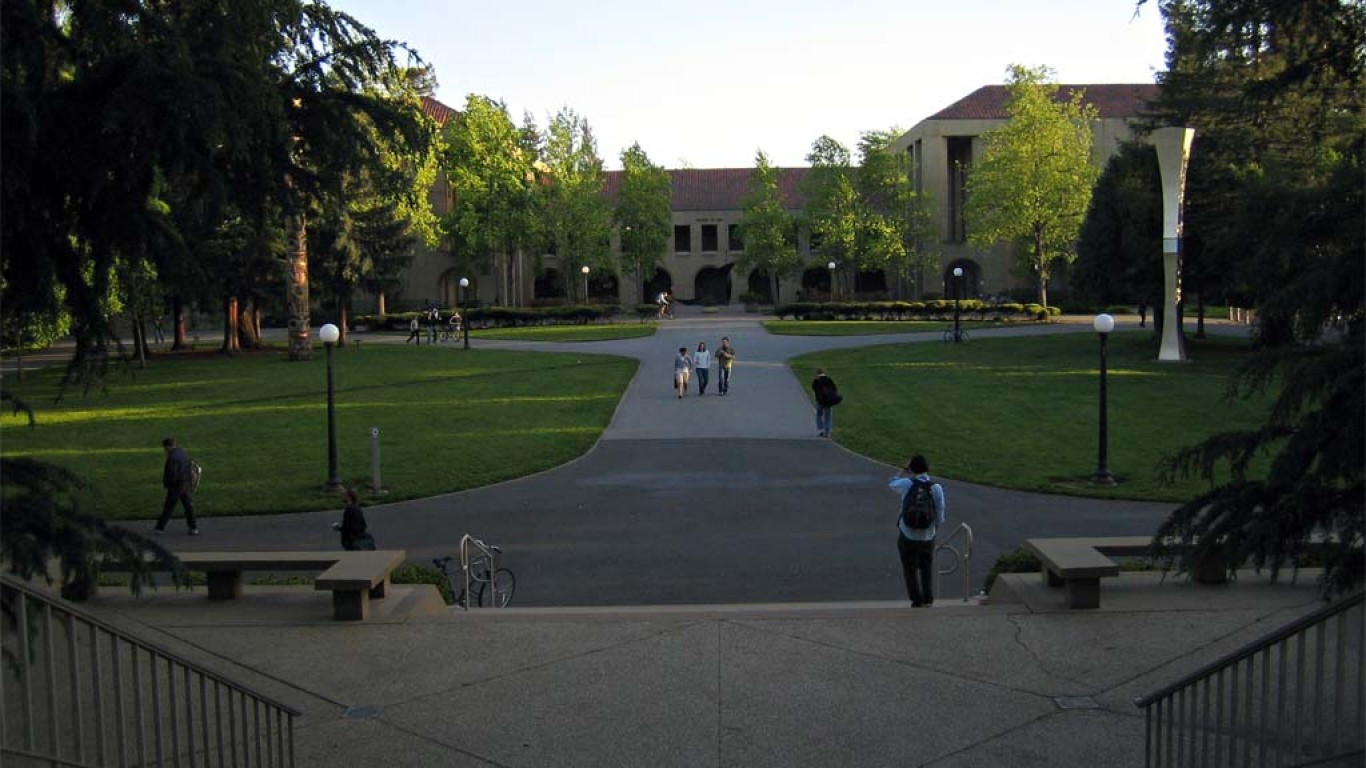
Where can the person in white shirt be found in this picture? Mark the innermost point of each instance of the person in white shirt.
(701, 362)
(682, 372)
(915, 545)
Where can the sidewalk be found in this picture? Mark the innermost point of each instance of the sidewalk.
(866, 684)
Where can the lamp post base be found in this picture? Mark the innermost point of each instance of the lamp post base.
(332, 486)
(1103, 477)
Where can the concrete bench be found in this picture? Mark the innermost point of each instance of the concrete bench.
(1079, 564)
(352, 577)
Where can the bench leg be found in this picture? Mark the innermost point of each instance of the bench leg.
(351, 605)
(381, 589)
(1051, 579)
(1083, 593)
(225, 585)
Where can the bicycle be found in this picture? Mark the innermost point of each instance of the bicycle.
(492, 585)
(959, 336)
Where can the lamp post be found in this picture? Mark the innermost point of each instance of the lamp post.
(957, 304)
(1103, 325)
(329, 334)
(464, 313)
(585, 272)
(831, 267)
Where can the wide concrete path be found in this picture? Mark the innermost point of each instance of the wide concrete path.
(707, 499)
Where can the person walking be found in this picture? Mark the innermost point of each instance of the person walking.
(701, 362)
(355, 534)
(922, 512)
(414, 331)
(827, 397)
(682, 372)
(177, 477)
(433, 323)
(725, 357)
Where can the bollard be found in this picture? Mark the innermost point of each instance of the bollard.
(376, 488)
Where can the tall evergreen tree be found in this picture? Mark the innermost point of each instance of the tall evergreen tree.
(643, 213)
(767, 228)
(576, 217)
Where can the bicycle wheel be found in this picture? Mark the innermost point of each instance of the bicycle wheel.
(496, 592)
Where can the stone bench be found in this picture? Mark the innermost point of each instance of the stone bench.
(352, 577)
(1078, 564)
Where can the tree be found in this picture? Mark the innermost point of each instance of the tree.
(898, 220)
(833, 214)
(643, 213)
(1033, 182)
(576, 218)
(1122, 235)
(1278, 88)
(766, 227)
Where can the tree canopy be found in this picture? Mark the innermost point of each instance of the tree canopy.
(1032, 184)
(643, 213)
(767, 228)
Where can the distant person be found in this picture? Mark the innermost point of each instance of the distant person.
(922, 512)
(663, 301)
(177, 477)
(827, 397)
(725, 357)
(682, 372)
(1142, 315)
(455, 323)
(414, 330)
(433, 324)
(158, 323)
(701, 363)
(355, 534)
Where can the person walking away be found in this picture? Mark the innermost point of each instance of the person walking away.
(827, 397)
(725, 357)
(433, 324)
(922, 512)
(178, 480)
(701, 361)
(682, 371)
(355, 534)
(414, 331)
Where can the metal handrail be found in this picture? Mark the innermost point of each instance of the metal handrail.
(466, 543)
(1242, 703)
(117, 687)
(963, 558)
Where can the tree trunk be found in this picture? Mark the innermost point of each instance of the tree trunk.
(177, 324)
(230, 327)
(300, 347)
(343, 319)
(380, 304)
(140, 340)
(249, 326)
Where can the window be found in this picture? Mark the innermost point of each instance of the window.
(960, 162)
(682, 238)
(709, 238)
(736, 243)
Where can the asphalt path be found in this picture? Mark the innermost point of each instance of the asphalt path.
(704, 500)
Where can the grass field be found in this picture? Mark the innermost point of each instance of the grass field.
(570, 333)
(1022, 413)
(449, 419)
(860, 327)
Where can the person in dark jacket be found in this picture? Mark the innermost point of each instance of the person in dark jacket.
(355, 534)
(177, 480)
(827, 397)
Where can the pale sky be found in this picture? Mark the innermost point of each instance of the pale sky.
(707, 83)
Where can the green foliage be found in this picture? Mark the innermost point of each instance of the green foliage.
(1033, 181)
(1121, 240)
(767, 228)
(643, 213)
(938, 309)
(575, 217)
(1278, 90)
(1019, 560)
(409, 573)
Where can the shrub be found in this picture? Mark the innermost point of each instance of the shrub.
(424, 574)
(1019, 561)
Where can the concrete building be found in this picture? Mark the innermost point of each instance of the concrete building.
(944, 145)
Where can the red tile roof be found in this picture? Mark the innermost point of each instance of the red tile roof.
(1110, 100)
(438, 111)
(718, 189)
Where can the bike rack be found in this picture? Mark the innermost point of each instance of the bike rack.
(963, 558)
(466, 543)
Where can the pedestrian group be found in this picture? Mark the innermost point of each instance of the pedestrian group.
(699, 362)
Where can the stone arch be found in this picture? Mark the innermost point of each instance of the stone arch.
(971, 280)
(549, 284)
(662, 281)
(603, 288)
(816, 284)
(760, 284)
(712, 285)
(870, 284)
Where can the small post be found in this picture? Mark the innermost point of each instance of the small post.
(376, 487)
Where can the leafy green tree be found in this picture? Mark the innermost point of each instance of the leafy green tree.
(898, 221)
(575, 216)
(1277, 89)
(1033, 182)
(833, 214)
(767, 228)
(643, 213)
(1121, 239)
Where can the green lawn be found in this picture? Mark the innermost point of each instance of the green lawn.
(449, 419)
(1022, 413)
(866, 327)
(570, 333)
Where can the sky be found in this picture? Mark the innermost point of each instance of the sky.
(708, 83)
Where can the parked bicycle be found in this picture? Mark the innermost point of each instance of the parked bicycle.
(492, 586)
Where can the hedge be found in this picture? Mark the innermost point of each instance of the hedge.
(932, 309)
(497, 317)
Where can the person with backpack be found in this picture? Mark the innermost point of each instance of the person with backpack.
(827, 397)
(922, 512)
(178, 478)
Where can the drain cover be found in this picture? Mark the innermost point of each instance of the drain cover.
(364, 713)
(1075, 702)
